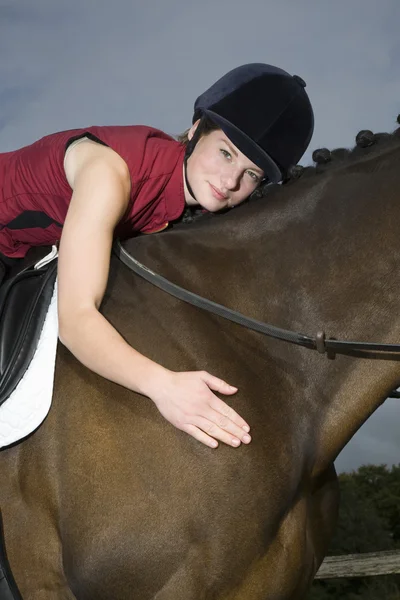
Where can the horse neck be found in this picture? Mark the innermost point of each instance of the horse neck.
(330, 258)
(319, 254)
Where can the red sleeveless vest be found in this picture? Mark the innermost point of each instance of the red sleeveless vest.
(35, 194)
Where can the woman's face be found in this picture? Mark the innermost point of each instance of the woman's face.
(218, 173)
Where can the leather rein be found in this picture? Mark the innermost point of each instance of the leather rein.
(329, 346)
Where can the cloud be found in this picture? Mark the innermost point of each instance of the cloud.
(377, 442)
(117, 63)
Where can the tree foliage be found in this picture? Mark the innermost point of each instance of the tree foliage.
(369, 521)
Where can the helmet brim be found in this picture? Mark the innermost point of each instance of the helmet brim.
(247, 146)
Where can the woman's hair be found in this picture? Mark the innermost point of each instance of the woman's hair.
(207, 127)
(193, 213)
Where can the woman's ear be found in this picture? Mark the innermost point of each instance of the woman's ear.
(193, 129)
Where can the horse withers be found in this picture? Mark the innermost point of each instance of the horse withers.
(106, 500)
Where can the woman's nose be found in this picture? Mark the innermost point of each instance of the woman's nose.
(231, 179)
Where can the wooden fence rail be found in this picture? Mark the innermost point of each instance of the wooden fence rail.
(360, 565)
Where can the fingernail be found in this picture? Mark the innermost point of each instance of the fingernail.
(213, 444)
(233, 387)
(235, 442)
(246, 439)
(246, 428)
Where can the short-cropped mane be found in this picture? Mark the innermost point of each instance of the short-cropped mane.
(367, 145)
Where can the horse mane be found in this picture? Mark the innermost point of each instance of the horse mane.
(367, 144)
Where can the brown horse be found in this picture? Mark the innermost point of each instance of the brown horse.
(108, 501)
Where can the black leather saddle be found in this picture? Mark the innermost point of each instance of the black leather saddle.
(24, 302)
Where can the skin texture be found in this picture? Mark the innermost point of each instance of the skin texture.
(100, 182)
(108, 500)
(217, 163)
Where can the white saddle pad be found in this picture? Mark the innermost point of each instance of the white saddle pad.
(30, 402)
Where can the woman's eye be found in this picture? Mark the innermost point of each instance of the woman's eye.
(226, 153)
(253, 176)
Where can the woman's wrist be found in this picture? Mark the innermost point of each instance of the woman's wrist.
(151, 379)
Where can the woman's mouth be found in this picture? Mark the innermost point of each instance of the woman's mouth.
(217, 193)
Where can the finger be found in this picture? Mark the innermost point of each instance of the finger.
(218, 385)
(201, 436)
(213, 430)
(225, 423)
(227, 411)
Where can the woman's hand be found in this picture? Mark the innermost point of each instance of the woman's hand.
(187, 402)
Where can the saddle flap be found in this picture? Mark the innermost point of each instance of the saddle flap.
(24, 301)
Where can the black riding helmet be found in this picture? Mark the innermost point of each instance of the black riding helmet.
(264, 111)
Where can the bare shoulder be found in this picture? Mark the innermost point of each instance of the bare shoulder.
(86, 154)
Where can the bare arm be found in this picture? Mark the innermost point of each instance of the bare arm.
(101, 186)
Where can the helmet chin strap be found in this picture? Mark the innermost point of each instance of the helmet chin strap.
(189, 149)
(189, 187)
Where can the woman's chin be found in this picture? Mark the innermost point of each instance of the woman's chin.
(212, 205)
(207, 202)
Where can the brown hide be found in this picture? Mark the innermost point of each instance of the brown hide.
(108, 500)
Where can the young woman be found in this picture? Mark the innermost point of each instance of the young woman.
(83, 187)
